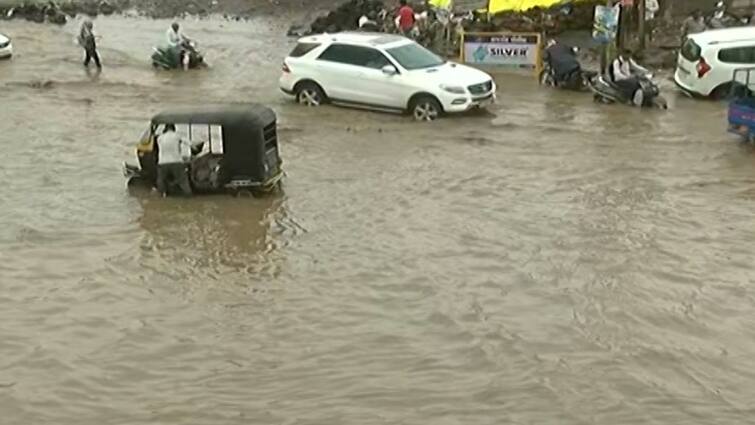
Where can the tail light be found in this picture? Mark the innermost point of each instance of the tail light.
(286, 69)
(702, 68)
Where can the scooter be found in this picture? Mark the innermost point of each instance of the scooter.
(606, 91)
(171, 57)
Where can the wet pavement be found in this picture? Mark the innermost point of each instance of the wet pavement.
(552, 261)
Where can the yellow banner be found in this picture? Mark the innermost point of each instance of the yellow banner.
(502, 5)
(445, 4)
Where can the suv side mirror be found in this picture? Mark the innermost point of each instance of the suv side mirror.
(390, 70)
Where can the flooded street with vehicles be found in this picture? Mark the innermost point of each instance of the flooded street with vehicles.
(552, 260)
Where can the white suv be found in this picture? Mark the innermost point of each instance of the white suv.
(384, 72)
(707, 60)
(6, 48)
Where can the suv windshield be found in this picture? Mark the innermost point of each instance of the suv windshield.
(691, 51)
(302, 49)
(413, 56)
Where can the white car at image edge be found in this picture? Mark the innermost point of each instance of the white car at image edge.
(382, 72)
(706, 63)
(6, 48)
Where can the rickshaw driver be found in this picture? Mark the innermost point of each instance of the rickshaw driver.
(173, 154)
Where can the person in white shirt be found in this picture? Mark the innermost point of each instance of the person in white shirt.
(172, 156)
(177, 40)
(625, 74)
(651, 9)
(175, 37)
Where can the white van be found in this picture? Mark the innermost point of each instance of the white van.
(707, 60)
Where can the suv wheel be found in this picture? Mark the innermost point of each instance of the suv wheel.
(425, 108)
(721, 92)
(310, 94)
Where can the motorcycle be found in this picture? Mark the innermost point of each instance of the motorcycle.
(578, 80)
(606, 91)
(186, 56)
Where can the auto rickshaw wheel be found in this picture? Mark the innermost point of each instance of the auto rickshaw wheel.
(309, 94)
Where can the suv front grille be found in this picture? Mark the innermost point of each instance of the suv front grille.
(479, 89)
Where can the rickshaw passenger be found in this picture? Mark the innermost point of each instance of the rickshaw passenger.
(173, 154)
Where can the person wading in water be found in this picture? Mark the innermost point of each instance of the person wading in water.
(87, 40)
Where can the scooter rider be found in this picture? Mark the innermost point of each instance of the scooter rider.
(626, 76)
(562, 60)
(177, 40)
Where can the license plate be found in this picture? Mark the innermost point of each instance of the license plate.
(486, 102)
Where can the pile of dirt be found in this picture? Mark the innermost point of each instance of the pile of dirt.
(58, 12)
(346, 16)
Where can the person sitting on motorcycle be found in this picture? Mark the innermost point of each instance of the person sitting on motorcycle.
(563, 61)
(369, 22)
(626, 75)
(722, 18)
(178, 41)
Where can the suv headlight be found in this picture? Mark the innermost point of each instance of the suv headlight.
(454, 89)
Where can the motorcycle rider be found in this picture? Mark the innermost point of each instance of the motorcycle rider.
(563, 61)
(626, 76)
(179, 42)
(369, 22)
(722, 18)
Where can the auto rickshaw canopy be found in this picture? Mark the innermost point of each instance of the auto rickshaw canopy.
(242, 116)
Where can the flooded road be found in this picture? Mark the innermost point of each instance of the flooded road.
(555, 261)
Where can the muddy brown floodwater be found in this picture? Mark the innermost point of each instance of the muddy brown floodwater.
(552, 262)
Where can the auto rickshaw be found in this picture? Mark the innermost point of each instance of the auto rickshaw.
(234, 148)
(742, 106)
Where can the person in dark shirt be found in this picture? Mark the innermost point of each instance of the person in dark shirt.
(562, 60)
(87, 40)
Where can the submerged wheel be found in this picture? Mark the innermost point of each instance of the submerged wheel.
(660, 102)
(309, 94)
(546, 79)
(425, 108)
(721, 92)
(639, 98)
